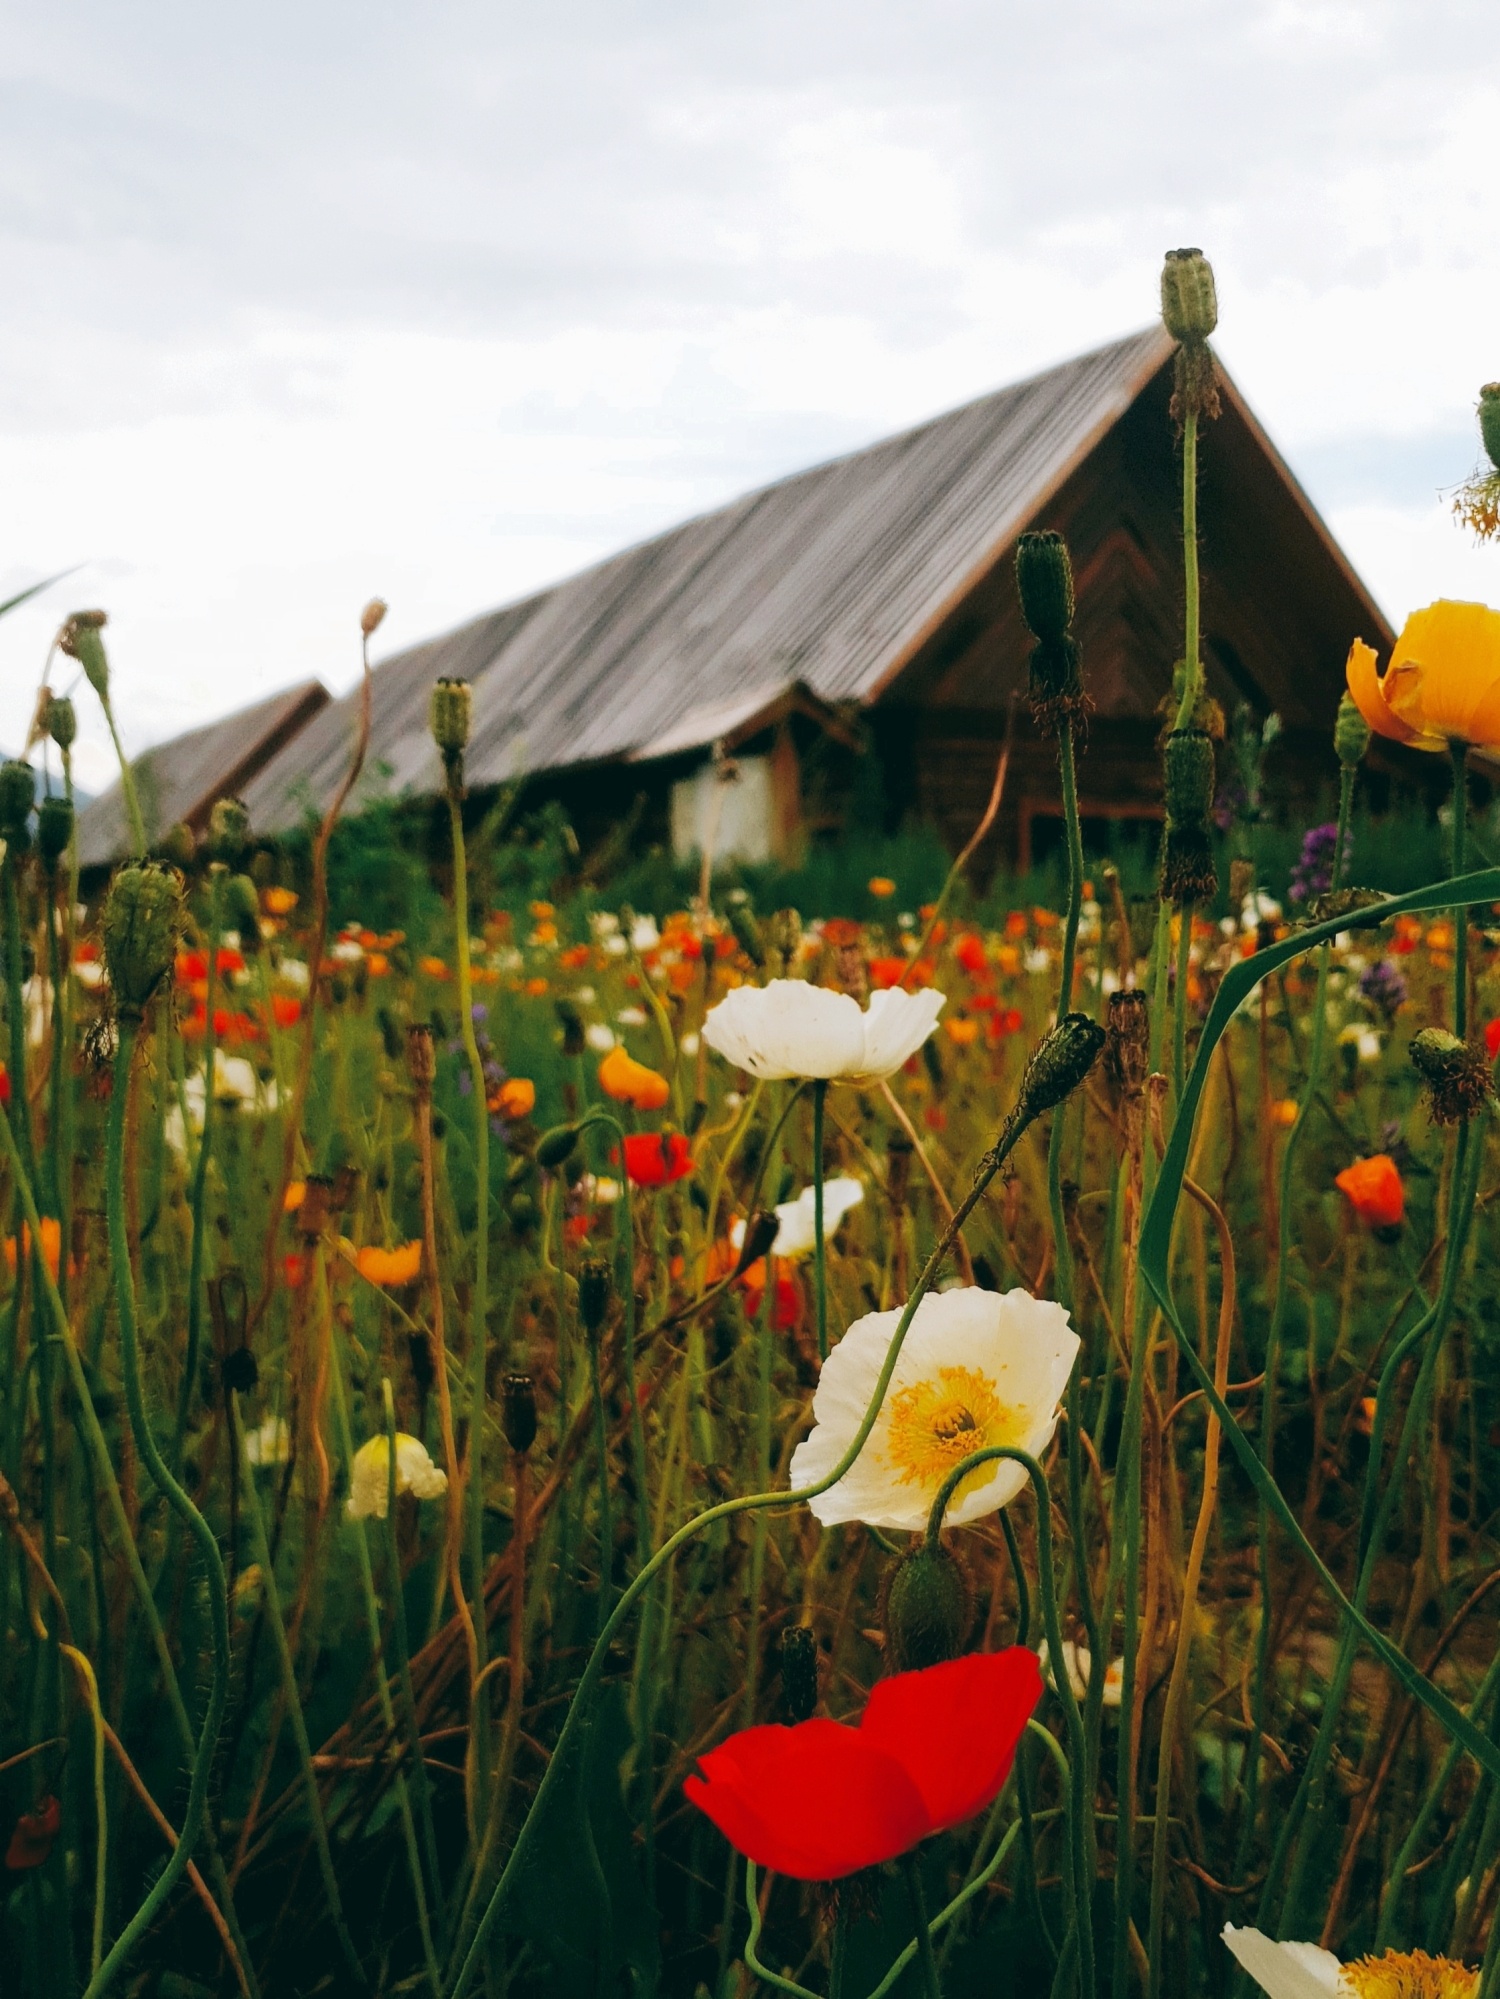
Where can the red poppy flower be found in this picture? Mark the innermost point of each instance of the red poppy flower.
(4, 1084)
(887, 972)
(969, 951)
(1374, 1190)
(823, 1800)
(31, 1842)
(285, 1010)
(787, 1310)
(1492, 1037)
(652, 1160)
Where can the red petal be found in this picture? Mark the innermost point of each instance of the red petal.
(956, 1726)
(817, 1801)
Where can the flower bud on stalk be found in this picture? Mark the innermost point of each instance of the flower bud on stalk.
(449, 716)
(570, 1020)
(746, 930)
(1477, 501)
(595, 1289)
(518, 1412)
(1190, 312)
(554, 1147)
(1351, 734)
(142, 924)
(1456, 1074)
(80, 640)
(761, 1231)
(1058, 1064)
(799, 1672)
(54, 829)
(178, 847)
(17, 795)
(1187, 859)
(928, 1604)
(61, 721)
(1044, 580)
(372, 616)
(1489, 421)
(421, 1057)
(1127, 1050)
(228, 830)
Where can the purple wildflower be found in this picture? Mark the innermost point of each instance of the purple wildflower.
(1383, 986)
(1313, 874)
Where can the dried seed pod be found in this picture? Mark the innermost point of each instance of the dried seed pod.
(518, 1412)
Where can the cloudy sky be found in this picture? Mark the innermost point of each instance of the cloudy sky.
(305, 302)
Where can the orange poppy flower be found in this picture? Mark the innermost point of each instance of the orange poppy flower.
(515, 1098)
(881, 886)
(962, 1032)
(51, 1245)
(574, 958)
(432, 968)
(389, 1266)
(1442, 684)
(279, 901)
(631, 1082)
(1374, 1191)
(841, 930)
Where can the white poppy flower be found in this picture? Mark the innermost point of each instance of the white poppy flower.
(644, 935)
(977, 1368)
(89, 972)
(688, 1045)
(369, 1476)
(599, 1037)
(797, 1234)
(614, 946)
(604, 922)
(270, 1443)
(1038, 959)
(1079, 1661)
(1307, 1971)
(603, 1190)
(347, 951)
(584, 995)
(791, 1028)
(293, 972)
(631, 1016)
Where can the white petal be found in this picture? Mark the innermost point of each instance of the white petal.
(797, 1235)
(1284, 1970)
(896, 1025)
(788, 1028)
(415, 1471)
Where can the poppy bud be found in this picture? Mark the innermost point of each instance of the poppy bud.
(1127, 1052)
(228, 830)
(54, 828)
(1456, 1073)
(448, 717)
(178, 845)
(241, 1371)
(1489, 421)
(1187, 865)
(799, 1672)
(372, 616)
(142, 924)
(742, 922)
(1189, 300)
(421, 1059)
(595, 1287)
(928, 1602)
(60, 721)
(1058, 1064)
(242, 910)
(17, 795)
(518, 1412)
(761, 1231)
(1044, 578)
(554, 1146)
(574, 1039)
(786, 935)
(1351, 733)
(80, 640)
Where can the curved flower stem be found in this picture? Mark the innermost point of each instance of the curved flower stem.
(1192, 671)
(181, 1505)
(911, 1867)
(82, 1665)
(403, 1656)
(292, 1696)
(577, 1717)
(820, 1271)
(200, 1177)
(1080, 1880)
(964, 1896)
(753, 1963)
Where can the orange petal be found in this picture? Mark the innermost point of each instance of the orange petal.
(1365, 687)
(1445, 671)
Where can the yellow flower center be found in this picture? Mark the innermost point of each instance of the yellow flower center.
(1409, 1974)
(935, 1424)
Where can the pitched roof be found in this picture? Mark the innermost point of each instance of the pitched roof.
(181, 779)
(826, 581)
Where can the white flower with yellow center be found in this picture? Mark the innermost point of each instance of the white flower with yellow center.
(1306, 1971)
(369, 1475)
(977, 1368)
(791, 1028)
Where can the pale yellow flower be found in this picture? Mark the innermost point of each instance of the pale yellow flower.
(369, 1475)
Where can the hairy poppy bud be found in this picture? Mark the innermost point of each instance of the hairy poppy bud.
(17, 795)
(1189, 300)
(1456, 1073)
(1058, 1064)
(242, 910)
(421, 1057)
(595, 1288)
(80, 640)
(449, 716)
(799, 1672)
(928, 1603)
(1489, 421)
(1187, 867)
(556, 1145)
(1044, 579)
(142, 924)
(570, 1020)
(1190, 312)
(241, 1371)
(761, 1231)
(742, 922)
(61, 721)
(518, 1412)
(372, 616)
(1351, 733)
(54, 828)
(1127, 1050)
(228, 830)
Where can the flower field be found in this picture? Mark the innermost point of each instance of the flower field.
(563, 1449)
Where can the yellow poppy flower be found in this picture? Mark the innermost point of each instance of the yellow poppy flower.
(389, 1266)
(631, 1082)
(369, 1475)
(1442, 685)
